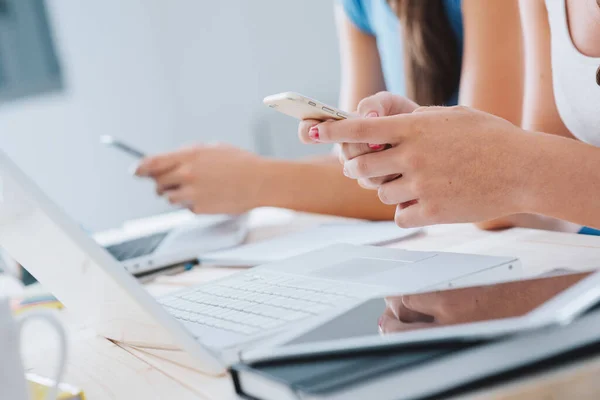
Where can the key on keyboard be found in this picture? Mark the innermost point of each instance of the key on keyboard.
(136, 247)
(253, 302)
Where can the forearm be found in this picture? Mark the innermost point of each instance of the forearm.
(563, 179)
(492, 73)
(487, 68)
(318, 186)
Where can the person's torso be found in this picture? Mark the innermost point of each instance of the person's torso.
(574, 76)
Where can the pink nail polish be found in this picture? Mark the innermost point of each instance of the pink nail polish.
(372, 114)
(380, 321)
(313, 133)
(376, 146)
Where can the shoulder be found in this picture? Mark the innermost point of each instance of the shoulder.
(453, 8)
(358, 12)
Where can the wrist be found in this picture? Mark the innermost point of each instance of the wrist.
(525, 165)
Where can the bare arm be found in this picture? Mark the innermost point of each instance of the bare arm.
(225, 179)
(492, 72)
(361, 72)
(511, 83)
(564, 182)
(567, 181)
(539, 112)
(492, 75)
(318, 185)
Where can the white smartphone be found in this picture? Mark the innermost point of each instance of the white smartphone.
(119, 145)
(302, 107)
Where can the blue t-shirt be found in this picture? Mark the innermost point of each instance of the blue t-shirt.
(376, 18)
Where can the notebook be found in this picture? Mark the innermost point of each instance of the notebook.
(325, 377)
(430, 372)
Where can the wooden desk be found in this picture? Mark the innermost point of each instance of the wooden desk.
(107, 371)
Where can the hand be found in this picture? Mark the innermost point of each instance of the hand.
(207, 179)
(379, 105)
(456, 164)
(473, 304)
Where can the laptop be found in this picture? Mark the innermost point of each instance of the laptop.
(207, 327)
(150, 245)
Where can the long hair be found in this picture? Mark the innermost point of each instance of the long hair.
(431, 52)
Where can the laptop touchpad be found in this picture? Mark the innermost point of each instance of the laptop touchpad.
(358, 267)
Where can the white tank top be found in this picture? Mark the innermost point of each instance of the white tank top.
(574, 79)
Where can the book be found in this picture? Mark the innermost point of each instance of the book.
(430, 372)
(331, 377)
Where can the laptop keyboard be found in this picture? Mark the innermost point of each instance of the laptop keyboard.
(251, 303)
(136, 247)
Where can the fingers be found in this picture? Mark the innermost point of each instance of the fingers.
(375, 169)
(398, 191)
(181, 197)
(389, 325)
(374, 165)
(375, 183)
(383, 130)
(304, 131)
(385, 104)
(160, 164)
(428, 303)
(170, 180)
(153, 166)
(409, 215)
(357, 130)
(405, 314)
(348, 151)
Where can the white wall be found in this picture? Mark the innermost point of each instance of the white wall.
(161, 74)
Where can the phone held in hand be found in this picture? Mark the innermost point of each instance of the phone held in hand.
(120, 145)
(303, 107)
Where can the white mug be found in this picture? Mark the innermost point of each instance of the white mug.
(13, 384)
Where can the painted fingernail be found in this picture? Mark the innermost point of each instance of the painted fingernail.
(376, 146)
(313, 133)
(372, 114)
(380, 322)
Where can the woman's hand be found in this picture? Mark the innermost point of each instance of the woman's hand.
(472, 304)
(382, 104)
(207, 179)
(454, 164)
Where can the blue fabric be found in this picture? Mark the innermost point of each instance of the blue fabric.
(589, 231)
(376, 18)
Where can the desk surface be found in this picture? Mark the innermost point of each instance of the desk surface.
(106, 371)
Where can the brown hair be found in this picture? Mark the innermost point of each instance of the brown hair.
(431, 52)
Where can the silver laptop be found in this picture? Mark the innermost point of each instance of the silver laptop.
(175, 244)
(208, 326)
